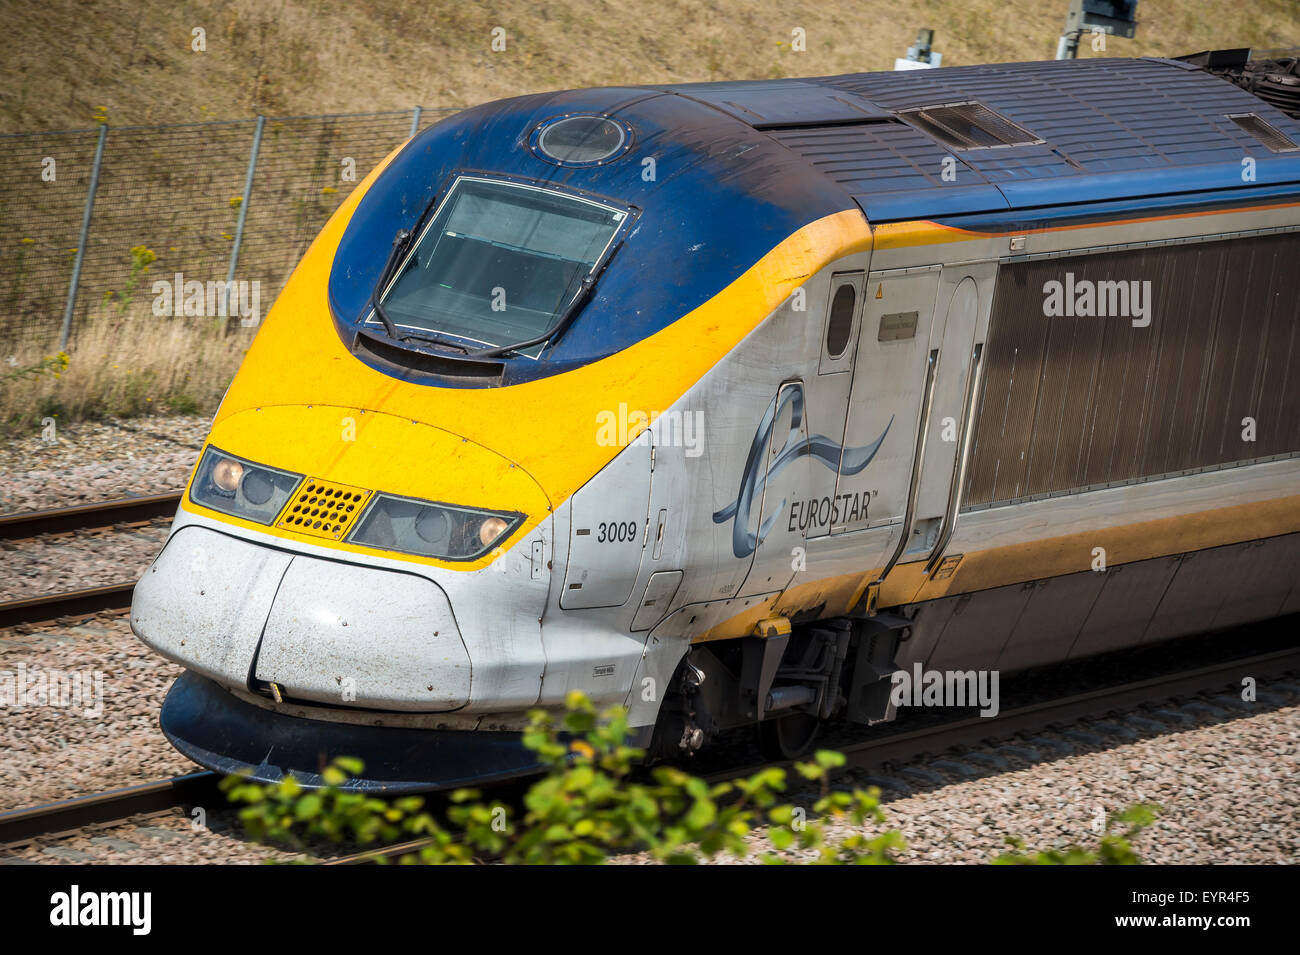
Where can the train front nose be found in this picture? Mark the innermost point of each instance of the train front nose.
(293, 659)
(415, 616)
(299, 647)
(321, 630)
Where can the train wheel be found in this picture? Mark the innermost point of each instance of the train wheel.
(788, 737)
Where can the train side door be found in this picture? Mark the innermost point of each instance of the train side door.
(817, 510)
(610, 515)
(964, 293)
(891, 376)
(781, 442)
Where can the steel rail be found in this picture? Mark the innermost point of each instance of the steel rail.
(49, 608)
(25, 525)
(29, 525)
(19, 826)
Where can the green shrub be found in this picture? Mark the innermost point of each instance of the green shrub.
(586, 806)
(591, 802)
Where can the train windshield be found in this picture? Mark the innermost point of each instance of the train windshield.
(499, 262)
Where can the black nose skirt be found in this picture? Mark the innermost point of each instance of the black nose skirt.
(229, 735)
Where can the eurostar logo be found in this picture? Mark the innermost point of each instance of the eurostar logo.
(845, 461)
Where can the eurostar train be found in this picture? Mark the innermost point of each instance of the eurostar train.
(724, 402)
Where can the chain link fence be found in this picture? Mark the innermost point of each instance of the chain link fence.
(176, 193)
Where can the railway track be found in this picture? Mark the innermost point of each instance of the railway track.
(25, 525)
(103, 810)
(29, 525)
(49, 608)
(107, 808)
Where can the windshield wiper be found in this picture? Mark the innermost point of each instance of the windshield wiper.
(566, 317)
(400, 242)
(570, 312)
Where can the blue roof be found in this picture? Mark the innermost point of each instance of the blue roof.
(735, 168)
(1110, 129)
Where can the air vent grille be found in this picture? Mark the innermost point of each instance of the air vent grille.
(323, 508)
(968, 126)
(1264, 131)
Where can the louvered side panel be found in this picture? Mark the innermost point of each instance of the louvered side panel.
(1138, 271)
(1179, 359)
(1091, 399)
(1218, 445)
(1014, 355)
(1282, 378)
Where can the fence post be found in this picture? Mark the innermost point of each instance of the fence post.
(415, 122)
(243, 215)
(81, 243)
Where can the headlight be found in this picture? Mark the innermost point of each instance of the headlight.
(241, 488)
(227, 475)
(432, 530)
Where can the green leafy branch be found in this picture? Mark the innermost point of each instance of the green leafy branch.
(590, 803)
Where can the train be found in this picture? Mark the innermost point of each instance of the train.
(725, 402)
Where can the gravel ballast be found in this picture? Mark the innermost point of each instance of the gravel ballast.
(91, 461)
(1226, 782)
(80, 560)
(48, 752)
(1224, 771)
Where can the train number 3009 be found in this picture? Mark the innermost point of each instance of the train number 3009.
(616, 532)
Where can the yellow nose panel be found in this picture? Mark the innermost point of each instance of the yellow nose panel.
(351, 454)
(323, 509)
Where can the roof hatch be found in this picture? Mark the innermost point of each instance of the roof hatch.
(1264, 131)
(968, 126)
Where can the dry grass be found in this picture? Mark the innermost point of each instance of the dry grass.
(123, 365)
(60, 59)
